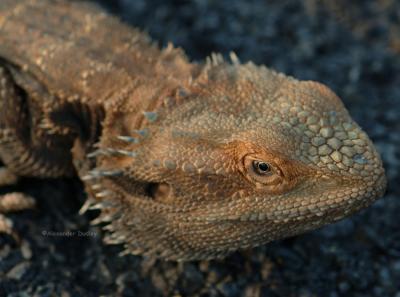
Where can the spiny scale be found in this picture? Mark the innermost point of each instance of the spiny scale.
(111, 152)
(151, 116)
(96, 173)
(128, 139)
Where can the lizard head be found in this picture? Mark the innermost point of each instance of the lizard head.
(246, 157)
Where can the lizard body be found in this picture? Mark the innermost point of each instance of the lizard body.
(184, 160)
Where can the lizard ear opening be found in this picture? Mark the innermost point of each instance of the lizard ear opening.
(158, 191)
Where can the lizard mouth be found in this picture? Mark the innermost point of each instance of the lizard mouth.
(342, 200)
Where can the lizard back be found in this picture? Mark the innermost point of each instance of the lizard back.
(75, 49)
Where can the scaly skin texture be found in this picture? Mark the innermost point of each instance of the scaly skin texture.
(186, 161)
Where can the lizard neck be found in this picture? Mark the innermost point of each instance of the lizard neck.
(167, 81)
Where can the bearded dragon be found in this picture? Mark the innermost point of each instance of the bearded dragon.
(184, 160)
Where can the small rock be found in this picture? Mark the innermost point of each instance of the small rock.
(18, 271)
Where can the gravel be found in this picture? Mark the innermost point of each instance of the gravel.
(354, 48)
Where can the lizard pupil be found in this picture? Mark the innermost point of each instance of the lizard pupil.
(261, 167)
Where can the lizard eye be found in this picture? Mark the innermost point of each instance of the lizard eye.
(261, 172)
(262, 168)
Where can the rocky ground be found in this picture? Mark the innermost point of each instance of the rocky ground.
(354, 47)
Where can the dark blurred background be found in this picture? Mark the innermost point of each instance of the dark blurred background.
(353, 47)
